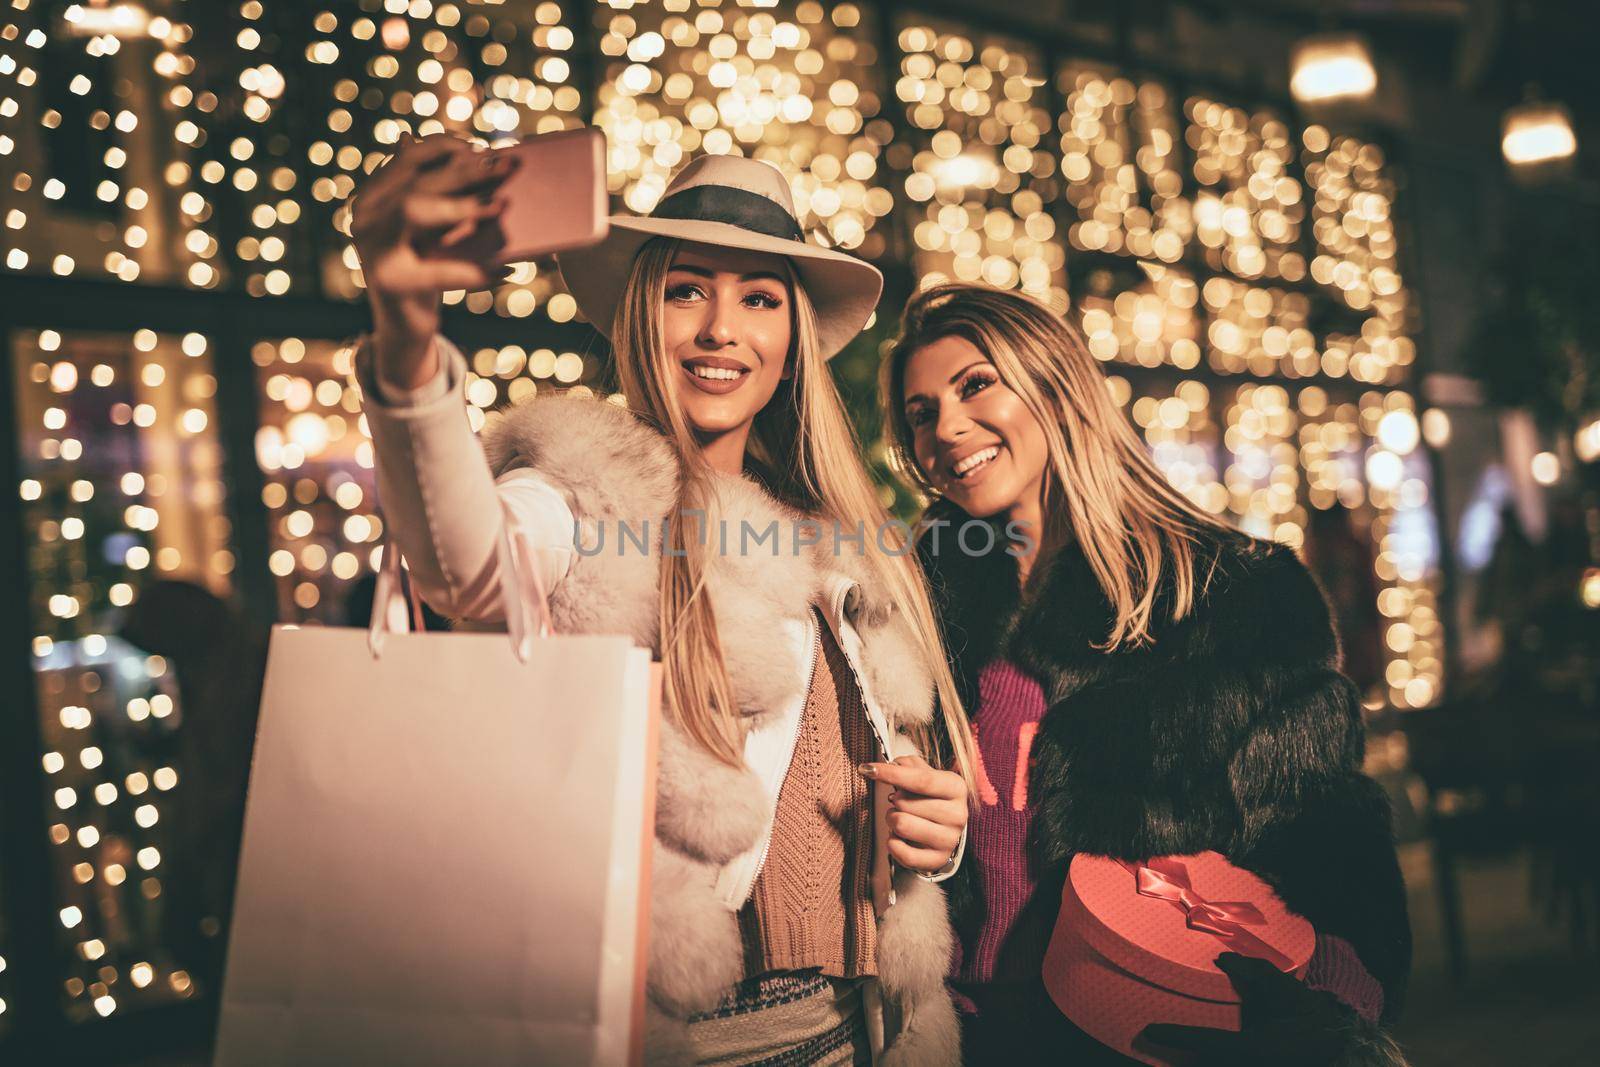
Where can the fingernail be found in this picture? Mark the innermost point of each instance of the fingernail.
(867, 770)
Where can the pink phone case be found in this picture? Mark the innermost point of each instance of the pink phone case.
(556, 201)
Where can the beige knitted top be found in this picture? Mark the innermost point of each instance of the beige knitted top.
(812, 903)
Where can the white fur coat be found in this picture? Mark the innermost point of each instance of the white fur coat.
(612, 468)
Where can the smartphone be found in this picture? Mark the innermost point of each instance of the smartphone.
(555, 201)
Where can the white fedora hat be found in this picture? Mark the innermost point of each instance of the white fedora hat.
(731, 202)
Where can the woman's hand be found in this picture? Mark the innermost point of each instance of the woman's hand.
(426, 189)
(927, 812)
(1284, 1021)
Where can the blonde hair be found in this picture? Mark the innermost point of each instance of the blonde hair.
(806, 451)
(1101, 486)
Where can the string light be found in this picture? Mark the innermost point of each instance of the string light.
(1115, 135)
(1586, 442)
(1588, 590)
(980, 168)
(795, 91)
(1546, 468)
(1258, 329)
(1407, 547)
(1355, 239)
(1150, 322)
(1249, 211)
(123, 486)
(318, 484)
(1182, 433)
(1263, 477)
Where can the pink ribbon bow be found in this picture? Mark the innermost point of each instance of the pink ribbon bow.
(1167, 879)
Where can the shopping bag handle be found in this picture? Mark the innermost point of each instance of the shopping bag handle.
(389, 576)
(522, 592)
(521, 587)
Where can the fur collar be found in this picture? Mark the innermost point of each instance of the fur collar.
(618, 474)
(1157, 734)
(1059, 631)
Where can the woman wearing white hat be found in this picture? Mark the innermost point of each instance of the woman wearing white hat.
(793, 912)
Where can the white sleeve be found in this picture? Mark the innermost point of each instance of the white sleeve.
(442, 505)
(433, 389)
(539, 513)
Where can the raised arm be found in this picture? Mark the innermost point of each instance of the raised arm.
(444, 509)
(442, 506)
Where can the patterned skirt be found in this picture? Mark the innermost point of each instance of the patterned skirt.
(785, 1020)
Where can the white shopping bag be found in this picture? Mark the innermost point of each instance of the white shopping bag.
(446, 849)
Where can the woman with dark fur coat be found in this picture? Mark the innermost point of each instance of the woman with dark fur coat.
(1145, 681)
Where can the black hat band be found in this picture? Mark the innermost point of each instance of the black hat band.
(736, 207)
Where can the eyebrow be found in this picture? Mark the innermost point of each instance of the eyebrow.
(953, 379)
(706, 272)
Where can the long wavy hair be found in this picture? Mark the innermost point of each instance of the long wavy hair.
(1101, 487)
(804, 449)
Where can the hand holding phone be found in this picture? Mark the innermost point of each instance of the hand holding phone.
(553, 200)
(442, 214)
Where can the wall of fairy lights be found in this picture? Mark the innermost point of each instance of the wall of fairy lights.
(1238, 272)
(121, 485)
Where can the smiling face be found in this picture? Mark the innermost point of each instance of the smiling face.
(973, 438)
(727, 327)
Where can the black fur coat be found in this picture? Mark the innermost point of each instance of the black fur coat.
(1234, 731)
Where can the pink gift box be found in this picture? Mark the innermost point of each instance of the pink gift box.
(1135, 944)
